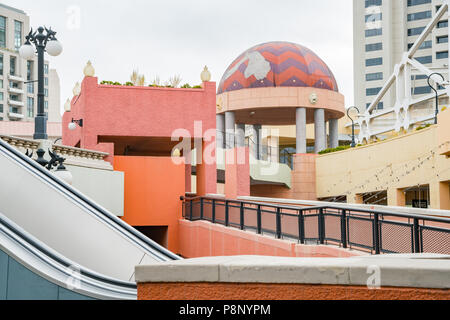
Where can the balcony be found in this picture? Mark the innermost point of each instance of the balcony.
(16, 78)
(15, 90)
(16, 103)
(15, 116)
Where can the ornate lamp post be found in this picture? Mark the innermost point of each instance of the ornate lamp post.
(437, 95)
(44, 40)
(353, 125)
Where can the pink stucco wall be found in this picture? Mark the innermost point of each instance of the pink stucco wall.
(122, 112)
(204, 239)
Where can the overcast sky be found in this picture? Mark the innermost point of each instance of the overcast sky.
(164, 38)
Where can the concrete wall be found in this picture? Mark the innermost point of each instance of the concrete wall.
(19, 283)
(103, 186)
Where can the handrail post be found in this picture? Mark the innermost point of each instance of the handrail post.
(201, 209)
(321, 227)
(344, 229)
(258, 220)
(279, 233)
(376, 233)
(301, 227)
(227, 213)
(242, 217)
(417, 248)
(213, 218)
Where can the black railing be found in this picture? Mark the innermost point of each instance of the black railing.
(377, 232)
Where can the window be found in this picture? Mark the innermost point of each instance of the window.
(442, 55)
(442, 39)
(421, 90)
(2, 32)
(1, 84)
(425, 45)
(442, 24)
(12, 65)
(46, 92)
(30, 87)
(14, 109)
(412, 3)
(14, 97)
(1, 64)
(425, 60)
(374, 76)
(374, 32)
(46, 68)
(374, 17)
(373, 91)
(415, 31)
(371, 3)
(17, 34)
(46, 105)
(30, 70)
(380, 106)
(46, 81)
(419, 15)
(1, 108)
(419, 77)
(30, 107)
(1, 96)
(374, 47)
(374, 62)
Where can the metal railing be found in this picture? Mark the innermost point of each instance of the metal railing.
(373, 231)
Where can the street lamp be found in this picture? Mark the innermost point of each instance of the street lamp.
(353, 125)
(43, 42)
(437, 95)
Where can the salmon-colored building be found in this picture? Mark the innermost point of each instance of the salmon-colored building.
(139, 127)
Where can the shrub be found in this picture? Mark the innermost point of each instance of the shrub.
(340, 148)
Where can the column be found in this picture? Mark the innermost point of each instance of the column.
(240, 135)
(230, 127)
(301, 130)
(255, 145)
(220, 123)
(334, 133)
(319, 120)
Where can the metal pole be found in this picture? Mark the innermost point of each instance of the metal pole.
(353, 125)
(436, 93)
(40, 129)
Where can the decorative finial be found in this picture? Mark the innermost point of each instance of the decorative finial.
(67, 106)
(89, 70)
(206, 75)
(176, 153)
(77, 89)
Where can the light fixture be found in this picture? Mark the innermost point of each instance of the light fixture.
(54, 47)
(27, 51)
(73, 124)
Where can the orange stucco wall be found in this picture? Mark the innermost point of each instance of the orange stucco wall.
(153, 186)
(204, 239)
(246, 291)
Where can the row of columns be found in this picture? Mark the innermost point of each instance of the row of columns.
(230, 134)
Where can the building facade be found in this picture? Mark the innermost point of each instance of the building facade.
(383, 31)
(18, 96)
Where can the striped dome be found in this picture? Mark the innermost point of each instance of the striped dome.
(277, 64)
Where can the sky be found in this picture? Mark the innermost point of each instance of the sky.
(179, 37)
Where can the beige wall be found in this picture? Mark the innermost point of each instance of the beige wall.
(393, 165)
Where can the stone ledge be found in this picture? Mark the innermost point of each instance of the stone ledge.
(410, 271)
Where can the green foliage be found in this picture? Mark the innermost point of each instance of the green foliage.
(111, 83)
(129, 84)
(186, 86)
(340, 148)
(423, 127)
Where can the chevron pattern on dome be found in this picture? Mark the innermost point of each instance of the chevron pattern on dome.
(278, 64)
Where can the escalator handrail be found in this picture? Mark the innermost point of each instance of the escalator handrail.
(81, 198)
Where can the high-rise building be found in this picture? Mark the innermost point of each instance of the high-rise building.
(18, 88)
(383, 31)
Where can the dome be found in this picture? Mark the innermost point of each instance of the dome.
(278, 64)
